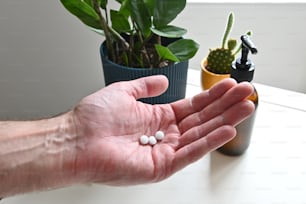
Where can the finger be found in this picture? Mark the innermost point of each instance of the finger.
(217, 107)
(186, 107)
(231, 116)
(194, 151)
(147, 86)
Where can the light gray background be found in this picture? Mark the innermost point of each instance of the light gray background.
(49, 60)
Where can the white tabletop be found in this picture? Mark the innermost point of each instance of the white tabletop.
(272, 171)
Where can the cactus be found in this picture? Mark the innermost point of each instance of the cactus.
(219, 60)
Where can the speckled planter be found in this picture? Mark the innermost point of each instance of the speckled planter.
(176, 74)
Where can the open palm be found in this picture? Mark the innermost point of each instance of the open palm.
(111, 121)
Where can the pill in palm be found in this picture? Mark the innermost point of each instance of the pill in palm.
(152, 140)
(144, 139)
(159, 135)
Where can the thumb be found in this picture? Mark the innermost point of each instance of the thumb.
(148, 86)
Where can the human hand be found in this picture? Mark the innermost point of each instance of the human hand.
(110, 122)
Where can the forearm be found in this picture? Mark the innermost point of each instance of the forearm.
(37, 155)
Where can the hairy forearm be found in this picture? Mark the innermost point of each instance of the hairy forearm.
(36, 155)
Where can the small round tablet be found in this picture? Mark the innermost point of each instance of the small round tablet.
(159, 135)
(144, 139)
(152, 140)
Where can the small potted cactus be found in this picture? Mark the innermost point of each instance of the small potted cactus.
(217, 65)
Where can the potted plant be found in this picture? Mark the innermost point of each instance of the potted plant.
(217, 65)
(139, 41)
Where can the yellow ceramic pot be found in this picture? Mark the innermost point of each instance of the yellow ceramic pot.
(208, 79)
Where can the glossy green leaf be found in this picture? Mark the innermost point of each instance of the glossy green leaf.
(119, 22)
(165, 53)
(89, 2)
(166, 11)
(140, 15)
(184, 49)
(83, 11)
(125, 8)
(150, 5)
(136, 17)
(169, 31)
(101, 3)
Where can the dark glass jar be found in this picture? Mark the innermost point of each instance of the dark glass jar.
(241, 142)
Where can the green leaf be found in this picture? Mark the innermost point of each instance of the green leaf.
(166, 11)
(150, 5)
(119, 22)
(140, 15)
(89, 2)
(125, 8)
(165, 53)
(83, 11)
(169, 31)
(184, 49)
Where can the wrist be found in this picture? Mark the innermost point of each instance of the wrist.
(37, 155)
(61, 150)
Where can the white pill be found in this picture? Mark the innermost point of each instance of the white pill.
(144, 139)
(159, 135)
(152, 140)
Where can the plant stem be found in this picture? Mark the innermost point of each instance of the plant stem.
(120, 38)
(157, 60)
(144, 42)
(145, 52)
(109, 32)
(106, 15)
(106, 30)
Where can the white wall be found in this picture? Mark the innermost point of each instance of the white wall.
(49, 60)
(278, 30)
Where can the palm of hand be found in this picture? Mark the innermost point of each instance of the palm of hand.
(111, 122)
(113, 131)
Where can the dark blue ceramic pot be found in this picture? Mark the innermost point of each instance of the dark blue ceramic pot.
(176, 74)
